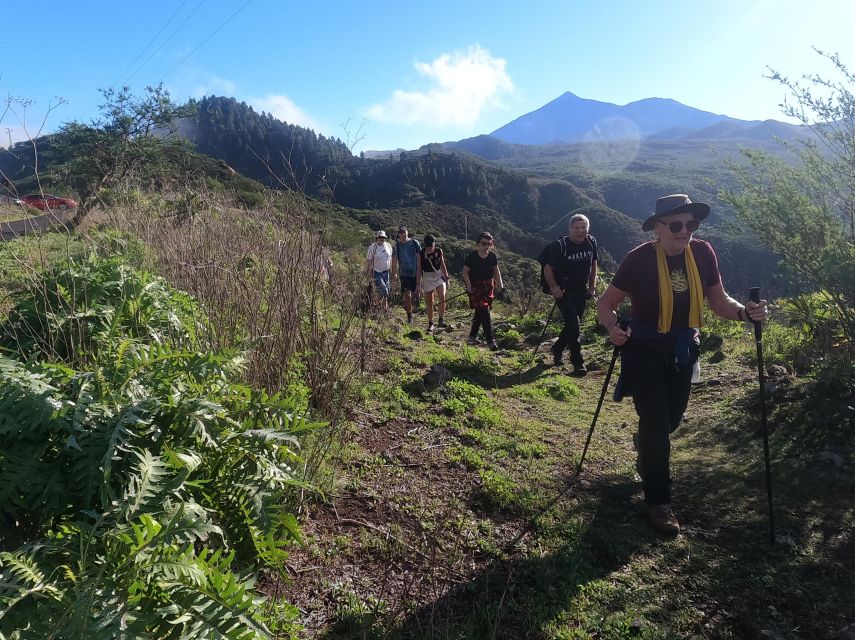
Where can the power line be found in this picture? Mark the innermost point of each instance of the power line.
(199, 46)
(153, 53)
(150, 42)
(171, 35)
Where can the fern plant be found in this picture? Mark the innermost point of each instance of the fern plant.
(81, 305)
(145, 488)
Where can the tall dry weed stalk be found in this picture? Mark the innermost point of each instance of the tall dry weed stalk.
(265, 279)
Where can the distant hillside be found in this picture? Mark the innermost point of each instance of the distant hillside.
(259, 146)
(570, 118)
(280, 154)
(523, 193)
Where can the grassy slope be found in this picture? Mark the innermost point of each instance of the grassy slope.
(435, 484)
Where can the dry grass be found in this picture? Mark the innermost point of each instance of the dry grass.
(264, 280)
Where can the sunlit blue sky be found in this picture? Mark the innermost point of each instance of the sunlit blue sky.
(413, 72)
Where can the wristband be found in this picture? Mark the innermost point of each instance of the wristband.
(741, 314)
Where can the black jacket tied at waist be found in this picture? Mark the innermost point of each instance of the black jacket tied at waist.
(679, 347)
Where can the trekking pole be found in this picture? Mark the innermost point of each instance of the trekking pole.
(543, 333)
(527, 529)
(447, 300)
(754, 296)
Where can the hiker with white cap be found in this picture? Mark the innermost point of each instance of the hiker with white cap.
(377, 263)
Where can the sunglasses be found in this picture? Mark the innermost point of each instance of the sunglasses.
(485, 243)
(676, 226)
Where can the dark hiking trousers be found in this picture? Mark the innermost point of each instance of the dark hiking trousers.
(571, 305)
(660, 392)
(482, 319)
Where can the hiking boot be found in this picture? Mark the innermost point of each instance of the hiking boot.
(557, 355)
(663, 519)
(430, 327)
(473, 340)
(579, 369)
(493, 345)
(441, 324)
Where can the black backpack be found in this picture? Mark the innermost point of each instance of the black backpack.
(562, 243)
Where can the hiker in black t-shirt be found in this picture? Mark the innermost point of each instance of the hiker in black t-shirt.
(481, 275)
(571, 273)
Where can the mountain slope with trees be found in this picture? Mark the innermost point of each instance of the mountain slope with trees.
(523, 193)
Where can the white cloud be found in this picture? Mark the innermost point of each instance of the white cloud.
(212, 85)
(283, 108)
(464, 85)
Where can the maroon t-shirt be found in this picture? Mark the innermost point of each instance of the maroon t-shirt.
(638, 276)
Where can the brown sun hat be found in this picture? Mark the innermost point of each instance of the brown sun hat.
(676, 203)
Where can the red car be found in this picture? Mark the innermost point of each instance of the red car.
(48, 202)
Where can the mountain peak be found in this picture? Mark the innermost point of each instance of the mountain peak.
(569, 118)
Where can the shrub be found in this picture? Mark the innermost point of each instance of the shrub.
(144, 485)
(84, 305)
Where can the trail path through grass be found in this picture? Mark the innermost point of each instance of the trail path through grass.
(434, 484)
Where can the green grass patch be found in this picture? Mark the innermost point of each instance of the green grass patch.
(560, 388)
(499, 492)
(467, 456)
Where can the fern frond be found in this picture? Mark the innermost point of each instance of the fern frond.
(28, 403)
(153, 478)
(21, 576)
(224, 609)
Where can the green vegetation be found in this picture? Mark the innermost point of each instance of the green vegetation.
(140, 478)
(204, 433)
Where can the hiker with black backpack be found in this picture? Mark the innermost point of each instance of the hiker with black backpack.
(569, 274)
(432, 276)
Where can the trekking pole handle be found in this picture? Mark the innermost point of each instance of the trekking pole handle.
(754, 296)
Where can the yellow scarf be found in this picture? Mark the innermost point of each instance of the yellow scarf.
(666, 293)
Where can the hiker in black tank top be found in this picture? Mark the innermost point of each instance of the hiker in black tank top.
(571, 273)
(432, 277)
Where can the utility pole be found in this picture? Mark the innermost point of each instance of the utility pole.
(9, 133)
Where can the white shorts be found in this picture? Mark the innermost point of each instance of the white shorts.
(431, 280)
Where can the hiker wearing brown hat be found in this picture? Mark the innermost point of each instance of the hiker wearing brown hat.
(666, 280)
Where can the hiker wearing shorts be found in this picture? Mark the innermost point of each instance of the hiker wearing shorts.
(377, 263)
(432, 277)
(404, 267)
(666, 280)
